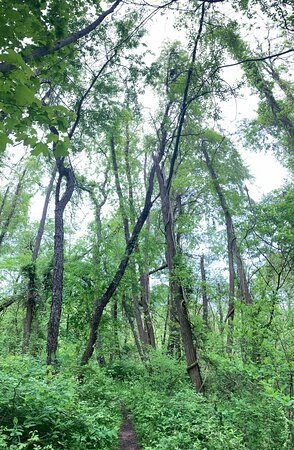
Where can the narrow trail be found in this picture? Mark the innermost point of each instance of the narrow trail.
(127, 436)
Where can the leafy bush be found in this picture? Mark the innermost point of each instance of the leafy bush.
(183, 421)
(241, 410)
(246, 399)
(39, 410)
(126, 369)
(169, 415)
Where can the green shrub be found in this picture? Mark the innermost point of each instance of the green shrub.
(126, 369)
(39, 410)
(183, 421)
(246, 398)
(169, 415)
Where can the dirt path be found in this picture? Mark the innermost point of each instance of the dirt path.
(127, 437)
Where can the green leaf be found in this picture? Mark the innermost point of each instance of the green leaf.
(61, 148)
(24, 96)
(30, 141)
(40, 148)
(52, 138)
(4, 140)
(12, 57)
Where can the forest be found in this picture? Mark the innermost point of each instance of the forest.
(146, 289)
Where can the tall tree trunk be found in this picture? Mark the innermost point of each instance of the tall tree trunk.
(133, 330)
(233, 247)
(204, 292)
(139, 321)
(58, 260)
(11, 213)
(145, 297)
(231, 306)
(177, 292)
(221, 316)
(98, 205)
(143, 265)
(115, 329)
(31, 290)
(103, 302)
(44, 215)
(283, 85)
(174, 336)
(165, 322)
(279, 115)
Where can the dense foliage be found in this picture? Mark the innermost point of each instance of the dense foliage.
(142, 279)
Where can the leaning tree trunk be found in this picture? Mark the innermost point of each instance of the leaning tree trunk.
(58, 259)
(148, 332)
(114, 314)
(31, 290)
(144, 266)
(4, 201)
(103, 302)
(283, 85)
(126, 226)
(285, 120)
(257, 79)
(233, 254)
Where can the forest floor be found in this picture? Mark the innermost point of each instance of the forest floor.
(127, 436)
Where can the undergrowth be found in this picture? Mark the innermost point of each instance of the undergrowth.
(39, 410)
(241, 409)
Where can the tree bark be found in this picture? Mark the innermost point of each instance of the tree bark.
(283, 85)
(3, 201)
(145, 297)
(221, 316)
(279, 116)
(133, 330)
(98, 205)
(58, 260)
(204, 292)
(31, 290)
(7, 303)
(144, 265)
(44, 215)
(174, 336)
(233, 248)
(102, 303)
(177, 292)
(231, 306)
(115, 329)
